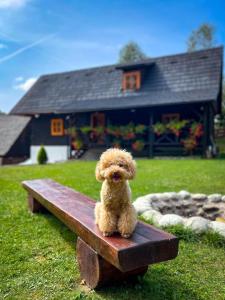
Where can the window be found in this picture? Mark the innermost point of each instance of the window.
(131, 81)
(97, 120)
(166, 118)
(57, 127)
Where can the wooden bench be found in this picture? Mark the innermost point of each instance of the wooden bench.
(101, 259)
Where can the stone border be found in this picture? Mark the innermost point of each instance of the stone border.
(194, 211)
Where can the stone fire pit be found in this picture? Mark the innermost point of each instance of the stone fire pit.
(195, 211)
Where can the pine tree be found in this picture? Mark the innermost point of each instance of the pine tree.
(42, 157)
(131, 52)
(201, 38)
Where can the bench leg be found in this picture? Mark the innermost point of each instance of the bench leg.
(96, 271)
(34, 206)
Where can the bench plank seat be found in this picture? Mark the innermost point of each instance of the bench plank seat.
(146, 246)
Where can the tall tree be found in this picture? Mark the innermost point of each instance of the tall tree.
(220, 119)
(223, 99)
(202, 38)
(131, 52)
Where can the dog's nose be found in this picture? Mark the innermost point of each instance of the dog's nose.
(116, 174)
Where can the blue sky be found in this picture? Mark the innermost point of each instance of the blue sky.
(47, 36)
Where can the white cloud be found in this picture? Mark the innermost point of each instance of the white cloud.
(26, 85)
(19, 79)
(12, 3)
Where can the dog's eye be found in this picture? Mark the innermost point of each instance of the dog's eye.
(121, 165)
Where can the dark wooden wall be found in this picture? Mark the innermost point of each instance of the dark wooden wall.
(141, 115)
(41, 126)
(41, 131)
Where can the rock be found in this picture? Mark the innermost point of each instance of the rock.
(199, 197)
(145, 198)
(154, 197)
(163, 197)
(142, 204)
(200, 212)
(173, 196)
(192, 210)
(218, 227)
(212, 216)
(178, 204)
(210, 208)
(186, 203)
(197, 224)
(168, 211)
(158, 205)
(190, 213)
(166, 197)
(163, 206)
(152, 215)
(198, 204)
(170, 220)
(215, 198)
(165, 209)
(177, 211)
(184, 195)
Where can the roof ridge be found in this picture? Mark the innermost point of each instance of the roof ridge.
(147, 60)
(177, 72)
(79, 70)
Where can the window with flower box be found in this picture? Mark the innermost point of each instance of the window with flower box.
(166, 118)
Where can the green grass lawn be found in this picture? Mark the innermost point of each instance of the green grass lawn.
(37, 251)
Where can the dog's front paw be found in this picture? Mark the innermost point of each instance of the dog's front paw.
(107, 233)
(125, 235)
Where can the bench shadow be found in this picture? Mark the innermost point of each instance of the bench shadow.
(156, 284)
(68, 236)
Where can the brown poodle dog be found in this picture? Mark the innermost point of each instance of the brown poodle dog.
(115, 211)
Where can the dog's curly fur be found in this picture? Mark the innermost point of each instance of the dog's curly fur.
(115, 211)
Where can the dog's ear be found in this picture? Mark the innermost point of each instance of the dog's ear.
(97, 172)
(132, 169)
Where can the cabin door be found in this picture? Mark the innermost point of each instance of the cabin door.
(98, 127)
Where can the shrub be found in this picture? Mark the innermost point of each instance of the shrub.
(138, 145)
(78, 144)
(159, 128)
(42, 157)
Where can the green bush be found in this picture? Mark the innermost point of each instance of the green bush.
(42, 157)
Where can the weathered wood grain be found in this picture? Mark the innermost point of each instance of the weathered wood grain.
(96, 271)
(146, 246)
(35, 206)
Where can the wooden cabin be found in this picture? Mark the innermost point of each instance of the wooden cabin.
(158, 106)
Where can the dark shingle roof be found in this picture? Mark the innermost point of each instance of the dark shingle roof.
(187, 77)
(10, 129)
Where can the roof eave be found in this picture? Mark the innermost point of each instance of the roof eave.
(132, 106)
